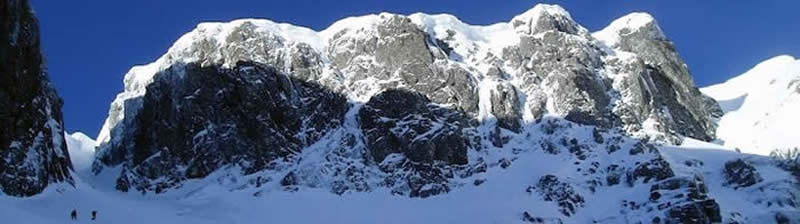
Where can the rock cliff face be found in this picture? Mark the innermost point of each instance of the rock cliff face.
(248, 115)
(32, 149)
(627, 75)
(398, 121)
(421, 105)
(656, 84)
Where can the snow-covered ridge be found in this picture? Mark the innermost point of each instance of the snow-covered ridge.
(353, 22)
(533, 15)
(137, 79)
(490, 37)
(761, 106)
(626, 25)
(779, 69)
(139, 76)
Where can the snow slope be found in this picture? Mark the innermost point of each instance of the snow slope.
(81, 151)
(499, 200)
(744, 200)
(761, 107)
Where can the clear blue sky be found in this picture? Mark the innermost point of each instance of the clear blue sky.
(90, 44)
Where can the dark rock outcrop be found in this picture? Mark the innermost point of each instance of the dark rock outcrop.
(418, 144)
(739, 174)
(416, 179)
(196, 119)
(706, 211)
(506, 107)
(400, 121)
(551, 189)
(33, 151)
(685, 200)
(654, 170)
(527, 217)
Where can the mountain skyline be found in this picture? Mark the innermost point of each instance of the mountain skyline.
(715, 49)
(402, 118)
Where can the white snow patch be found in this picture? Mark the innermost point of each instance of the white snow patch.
(81, 151)
(465, 39)
(531, 17)
(626, 25)
(761, 107)
(351, 24)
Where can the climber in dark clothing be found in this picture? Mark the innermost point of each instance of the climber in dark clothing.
(94, 214)
(74, 214)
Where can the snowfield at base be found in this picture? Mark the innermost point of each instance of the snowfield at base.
(499, 200)
(762, 107)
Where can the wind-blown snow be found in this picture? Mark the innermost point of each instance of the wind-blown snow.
(762, 107)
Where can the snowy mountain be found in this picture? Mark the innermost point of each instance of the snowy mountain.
(761, 107)
(32, 150)
(417, 118)
(360, 56)
(630, 79)
(557, 123)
